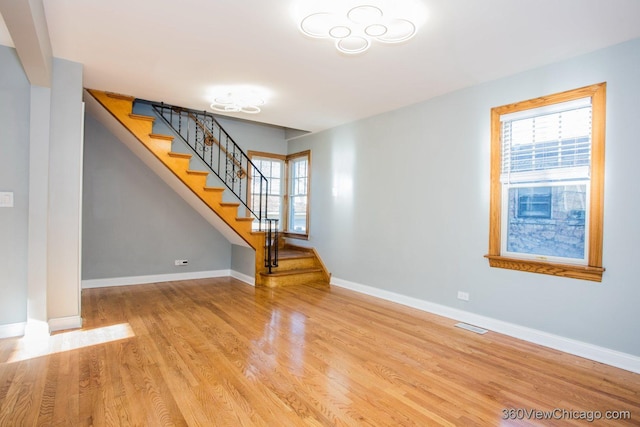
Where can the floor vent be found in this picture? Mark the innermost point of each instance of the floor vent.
(471, 328)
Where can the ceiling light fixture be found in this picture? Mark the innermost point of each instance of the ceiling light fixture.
(354, 31)
(238, 101)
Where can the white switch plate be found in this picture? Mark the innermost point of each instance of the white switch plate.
(6, 200)
(464, 296)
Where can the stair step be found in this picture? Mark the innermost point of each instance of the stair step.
(294, 272)
(120, 96)
(180, 155)
(161, 136)
(292, 277)
(141, 117)
(244, 219)
(194, 172)
(194, 179)
(293, 254)
(213, 195)
(229, 204)
(214, 189)
(287, 262)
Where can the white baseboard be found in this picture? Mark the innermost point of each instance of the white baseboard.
(156, 278)
(243, 277)
(12, 330)
(615, 358)
(62, 323)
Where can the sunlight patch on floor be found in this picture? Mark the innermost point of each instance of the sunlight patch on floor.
(32, 347)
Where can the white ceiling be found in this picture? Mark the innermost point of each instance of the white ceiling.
(176, 51)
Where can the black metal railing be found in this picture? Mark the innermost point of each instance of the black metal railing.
(213, 145)
(271, 244)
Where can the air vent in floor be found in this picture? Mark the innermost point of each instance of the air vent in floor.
(471, 328)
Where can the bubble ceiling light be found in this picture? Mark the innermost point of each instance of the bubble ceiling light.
(353, 32)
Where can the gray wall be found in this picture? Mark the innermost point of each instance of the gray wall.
(400, 202)
(14, 177)
(133, 223)
(255, 136)
(243, 260)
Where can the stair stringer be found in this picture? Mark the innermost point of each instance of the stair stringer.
(138, 136)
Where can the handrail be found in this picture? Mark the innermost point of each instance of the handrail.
(202, 132)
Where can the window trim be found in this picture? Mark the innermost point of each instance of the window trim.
(594, 269)
(287, 232)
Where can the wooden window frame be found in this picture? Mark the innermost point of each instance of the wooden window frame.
(594, 269)
(287, 233)
(285, 196)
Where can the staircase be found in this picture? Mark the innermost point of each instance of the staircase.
(294, 266)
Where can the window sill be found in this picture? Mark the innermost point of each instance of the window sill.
(583, 272)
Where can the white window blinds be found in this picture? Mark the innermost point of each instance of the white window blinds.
(551, 143)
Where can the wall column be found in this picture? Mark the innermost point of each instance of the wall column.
(40, 113)
(65, 196)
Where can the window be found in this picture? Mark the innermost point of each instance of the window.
(289, 182)
(297, 219)
(273, 170)
(547, 181)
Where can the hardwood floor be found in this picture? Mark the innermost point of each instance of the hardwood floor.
(217, 352)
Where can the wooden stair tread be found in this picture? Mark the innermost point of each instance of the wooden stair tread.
(120, 96)
(161, 136)
(141, 117)
(244, 218)
(214, 189)
(291, 247)
(291, 272)
(180, 155)
(194, 172)
(293, 254)
(230, 204)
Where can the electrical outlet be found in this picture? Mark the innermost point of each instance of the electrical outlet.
(6, 200)
(464, 296)
(182, 262)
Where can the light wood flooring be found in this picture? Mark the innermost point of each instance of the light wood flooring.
(218, 352)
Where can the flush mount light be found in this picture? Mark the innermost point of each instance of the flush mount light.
(238, 101)
(354, 30)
